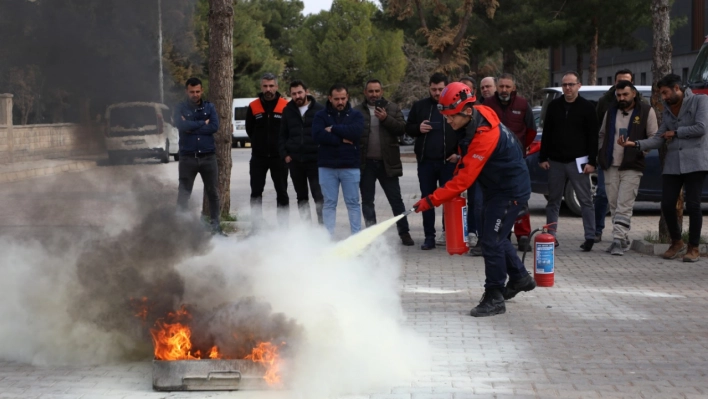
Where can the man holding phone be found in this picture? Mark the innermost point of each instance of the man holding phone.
(633, 119)
(436, 146)
(381, 156)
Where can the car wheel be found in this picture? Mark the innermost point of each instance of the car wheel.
(113, 158)
(571, 200)
(242, 143)
(176, 157)
(407, 140)
(234, 143)
(165, 157)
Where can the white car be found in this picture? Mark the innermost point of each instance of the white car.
(239, 136)
(140, 130)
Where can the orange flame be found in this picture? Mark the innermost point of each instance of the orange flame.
(267, 354)
(141, 307)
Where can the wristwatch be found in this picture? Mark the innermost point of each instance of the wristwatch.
(636, 144)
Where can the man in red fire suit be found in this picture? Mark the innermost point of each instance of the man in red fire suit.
(495, 158)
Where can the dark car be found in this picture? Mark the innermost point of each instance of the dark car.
(649, 186)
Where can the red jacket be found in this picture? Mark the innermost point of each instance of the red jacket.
(517, 116)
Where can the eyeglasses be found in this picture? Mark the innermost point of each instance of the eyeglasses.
(569, 84)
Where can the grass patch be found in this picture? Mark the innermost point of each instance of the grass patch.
(229, 218)
(653, 237)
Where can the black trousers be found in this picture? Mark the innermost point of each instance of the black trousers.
(375, 170)
(259, 167)
(301, 173)
(207, 168)
(671, 189)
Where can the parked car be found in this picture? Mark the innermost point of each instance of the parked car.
(406, 139)
(536, 115)
(649, 186)
(239, 136)
(140, 130)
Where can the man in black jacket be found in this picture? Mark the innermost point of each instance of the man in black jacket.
(197, 121)
(381, 156)
(299, 150)
(435, 148)
(569, 152)
(263, 128)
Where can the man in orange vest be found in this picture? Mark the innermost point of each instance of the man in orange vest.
(263, 128)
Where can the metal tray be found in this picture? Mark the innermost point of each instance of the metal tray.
(207, 375)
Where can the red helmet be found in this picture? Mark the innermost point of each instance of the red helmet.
(454, 97)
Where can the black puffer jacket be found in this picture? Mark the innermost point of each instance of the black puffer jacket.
(296, 132)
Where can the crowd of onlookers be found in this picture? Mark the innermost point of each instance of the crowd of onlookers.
(327, 146)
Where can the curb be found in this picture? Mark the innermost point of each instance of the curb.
(648, 248)
(7, 177)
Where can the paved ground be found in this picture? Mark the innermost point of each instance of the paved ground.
(633, 326)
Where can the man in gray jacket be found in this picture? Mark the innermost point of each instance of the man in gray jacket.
(381, 156)
(683, 128)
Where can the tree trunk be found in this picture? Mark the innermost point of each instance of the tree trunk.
(661, 66)
(509, 61)
(594, 50)
(221, 82)
(579, 50)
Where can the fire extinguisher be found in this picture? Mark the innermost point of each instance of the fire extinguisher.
(455, 215)
(543, 256)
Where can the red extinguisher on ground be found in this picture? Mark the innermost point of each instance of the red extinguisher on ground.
(455, 215)
(544, 258)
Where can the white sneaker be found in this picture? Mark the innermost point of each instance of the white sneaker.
(625, 244)
(441, 239)
(615, 248)
(471, 240)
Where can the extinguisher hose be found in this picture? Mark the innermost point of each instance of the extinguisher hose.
(523, 256)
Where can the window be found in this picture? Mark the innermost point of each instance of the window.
(609, 81)
(684, 74)
(643, 79)
(599, 81)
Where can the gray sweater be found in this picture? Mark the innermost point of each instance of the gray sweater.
(688, 150)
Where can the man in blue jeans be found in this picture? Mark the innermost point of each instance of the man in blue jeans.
(337, 129)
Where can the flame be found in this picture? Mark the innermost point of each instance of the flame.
(267, 354)
(141, 307)
(214, 353)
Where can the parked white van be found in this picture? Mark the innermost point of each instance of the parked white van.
(140, 130)
(239, 135)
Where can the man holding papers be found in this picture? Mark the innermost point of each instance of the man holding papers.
(569, 145)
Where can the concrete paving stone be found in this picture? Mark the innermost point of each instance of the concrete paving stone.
(432, 396)
(392, 396)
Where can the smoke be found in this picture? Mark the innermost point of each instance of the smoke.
(341, 319)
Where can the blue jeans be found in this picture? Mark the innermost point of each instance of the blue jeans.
(474, 209)
(500, 257)
(330, 179)
(600, 202)
(432, 174)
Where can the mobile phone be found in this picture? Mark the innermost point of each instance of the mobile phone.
(623, 132)
(435, 125)
(379, 103)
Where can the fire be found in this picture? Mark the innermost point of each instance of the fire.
(267, 354)
(172, 340)
(141, 307)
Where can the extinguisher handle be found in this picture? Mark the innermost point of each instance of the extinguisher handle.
(408, 212)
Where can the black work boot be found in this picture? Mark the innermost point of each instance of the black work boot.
(526, 283)
(492, 303)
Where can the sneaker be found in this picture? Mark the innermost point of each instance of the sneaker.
(492, 303)
(216, 230)
(587, 245)
(406, 239)
(525, 284)
(677, 248)
(524, 245)
(625, 244)
(441, 239)
(471, 240)
(476, 250)
(556, 243)
(428, 244)
(616, 248)
(612, 245)
(692, 254)
(598, 238)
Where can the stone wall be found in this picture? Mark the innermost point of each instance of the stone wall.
(34, 142)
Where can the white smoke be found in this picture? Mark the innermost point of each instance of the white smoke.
(349, 309)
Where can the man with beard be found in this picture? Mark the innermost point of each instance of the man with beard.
(435, 149)
(337, 129)
(569, 153)
(381, 156)
(683, 129)
(623, 167)
(515, 113)
(263, 127)
(197, 122)
(603, 104)
(299, 150)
